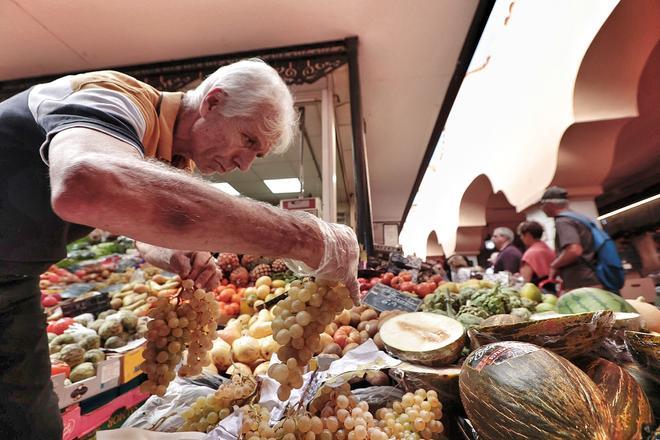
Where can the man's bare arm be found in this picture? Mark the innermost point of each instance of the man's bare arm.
(100, 181)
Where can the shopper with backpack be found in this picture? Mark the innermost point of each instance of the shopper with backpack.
(586, 255)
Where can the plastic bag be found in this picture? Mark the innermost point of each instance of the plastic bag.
(164, 413)
(378, 397)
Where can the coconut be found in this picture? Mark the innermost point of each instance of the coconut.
(645, 349)
(629, 406)
(515, 391)
(570, 336)
(424, 338)
(444, 380)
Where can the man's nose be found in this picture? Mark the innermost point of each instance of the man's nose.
(245, 160)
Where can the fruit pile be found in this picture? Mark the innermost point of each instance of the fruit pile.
(403, 282)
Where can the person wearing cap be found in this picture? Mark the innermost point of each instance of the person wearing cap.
(105, 150)
(574, 243)
(509, 255)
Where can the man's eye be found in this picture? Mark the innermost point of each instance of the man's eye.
(248, 140)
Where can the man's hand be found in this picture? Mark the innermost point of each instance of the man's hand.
(340, 256)
(197, 266)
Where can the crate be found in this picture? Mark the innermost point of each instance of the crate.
(130, 364)
(107, 377)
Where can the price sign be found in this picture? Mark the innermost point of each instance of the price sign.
(382, 298)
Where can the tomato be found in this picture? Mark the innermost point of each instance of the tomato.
(364, 287)
(424, 289)
(231, 286)
(232, 309)
(60, 367)
(49, 301)
(437, 279)
(236, 298)
(405, 276)
(60, 325)
(225, 295)
(407, 286)
(386, 278)
(374, 281)
(395, 282)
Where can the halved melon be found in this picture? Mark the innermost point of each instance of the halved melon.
(645, 349)
(423, 338)
(444, 380)
(567, 335)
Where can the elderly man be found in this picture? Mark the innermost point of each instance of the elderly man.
(574, 243)
(509, 256)
(104, 150)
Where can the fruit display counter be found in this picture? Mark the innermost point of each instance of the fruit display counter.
(270, 355)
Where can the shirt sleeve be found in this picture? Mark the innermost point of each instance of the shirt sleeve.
(567, 233)
(106, 111)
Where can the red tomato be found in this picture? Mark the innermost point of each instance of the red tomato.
(407, 286)
(364, 287)
(386, 278)
(431, 283)
(60, 325)
(374, 281)
(60, 367)
(405, 276)
(424, 289)
(395, 282)
(49, 301)
(437, 279)
(236, 298)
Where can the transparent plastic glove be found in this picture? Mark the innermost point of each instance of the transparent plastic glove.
(340, 255)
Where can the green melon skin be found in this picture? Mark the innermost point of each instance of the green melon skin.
(589, 299)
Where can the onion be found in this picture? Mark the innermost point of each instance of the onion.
(221, 353)
(246, 349)
(267, 347)
(261, 369)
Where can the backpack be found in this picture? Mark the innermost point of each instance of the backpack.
(608, 268)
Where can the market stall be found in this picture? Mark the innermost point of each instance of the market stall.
(271, 355)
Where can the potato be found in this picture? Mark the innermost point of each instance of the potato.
(362, 325)
(349, 347)
(344, 318)
(372, 327)
(377, 378)
(355, 319)
(332, 348)
(368, 315)
(364, 336)
(326, 339)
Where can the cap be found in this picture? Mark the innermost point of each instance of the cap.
(554, 194)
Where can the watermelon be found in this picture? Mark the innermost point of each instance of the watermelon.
(570, 336)
(515, 391)
(629, 406)
(589, 299)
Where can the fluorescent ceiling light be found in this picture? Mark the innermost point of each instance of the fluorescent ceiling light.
(226, 188)
(282, 186)
(631, 206)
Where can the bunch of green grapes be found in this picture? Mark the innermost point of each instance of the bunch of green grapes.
(185, 320)
(416, 416)
(298, 323)
(207, 412)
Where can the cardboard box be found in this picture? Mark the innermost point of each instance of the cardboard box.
(107, 377)
(130, 363)
(635, 287)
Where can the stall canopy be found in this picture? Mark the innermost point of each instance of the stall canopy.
(547, 94)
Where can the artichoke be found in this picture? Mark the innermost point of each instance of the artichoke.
(492, 301)
(466, 294)
(472, 310)
(469, 320)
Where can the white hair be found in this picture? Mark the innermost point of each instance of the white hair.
(250, 85)
(505, 232)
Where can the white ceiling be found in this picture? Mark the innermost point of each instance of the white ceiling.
(407, 54)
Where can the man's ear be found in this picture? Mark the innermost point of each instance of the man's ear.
(215, 97)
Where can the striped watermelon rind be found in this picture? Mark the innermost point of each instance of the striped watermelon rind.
(590, 299)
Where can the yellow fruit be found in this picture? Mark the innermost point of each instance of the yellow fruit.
(263, 281)
(278, 283)
(530, 291)
(263, 291)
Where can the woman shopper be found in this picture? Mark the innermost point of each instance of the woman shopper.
(535, 262)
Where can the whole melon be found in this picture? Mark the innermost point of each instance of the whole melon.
(629, 406)
(89, 342)
(72, 354)
(589, 299)
(94, 356)
(110, 328)
(518, 391)
(82, 372)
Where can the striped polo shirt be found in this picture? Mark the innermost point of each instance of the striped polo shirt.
(32, 236)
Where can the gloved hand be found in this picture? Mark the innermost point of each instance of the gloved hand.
(341, 253)
(198, 266)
